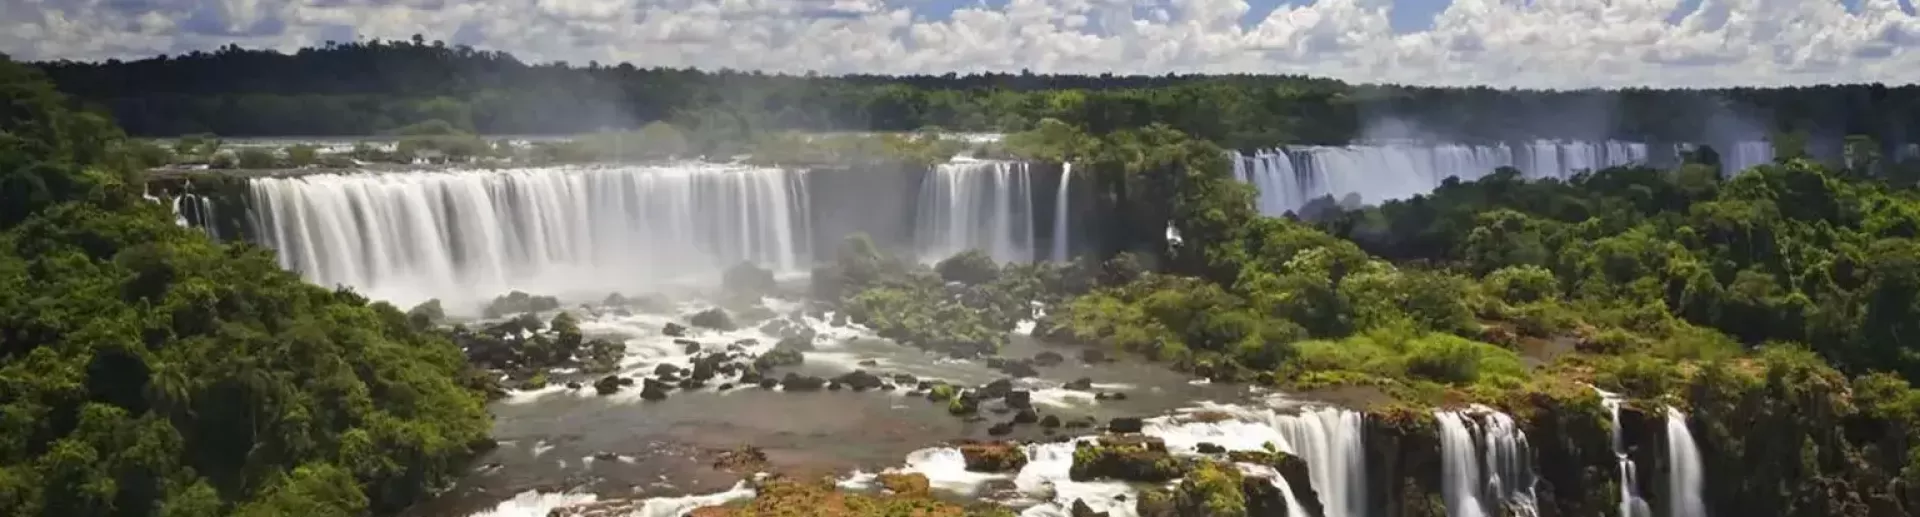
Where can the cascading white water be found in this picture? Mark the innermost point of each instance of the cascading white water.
(465, 235)
(1460, 474)
(1482, 440)
(1740, 156)
(1631, 505)
(1288, 178)
(1685, 475)
(1061, 211)
(1328, 439)
(984, 205)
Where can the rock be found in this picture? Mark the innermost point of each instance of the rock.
(868, 362)
(859, 380)
(573, 385)
(674, 329)
(690, 345)
(653, 390)
(1125, 425)
(886, 387)
(606, 456)
(703, 368)
(608, 385)
(750, 377)
(666, 370)
(691, 384)
(1110, 396)
(1049, 421)
(725, 386)
(963, 405)
(913, 484)
(1082, 423)
(994, 456)
(1094, 356)
(626, 381)
(1209, 448)
(769, 383)
(1019, 399)
(743, 459)
(1265, 499)
(1000, 429)
(1048, 359)
(1294, 470)
(1019, 369)
(833, 386)
(1135, 458)
(1026, 416)
(778, 357)
(713, 318)
(1080, 384)
(796, 382)
(1080, 509)
(906, 379)
(996, 389)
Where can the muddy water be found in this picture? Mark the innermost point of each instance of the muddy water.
(618, 446)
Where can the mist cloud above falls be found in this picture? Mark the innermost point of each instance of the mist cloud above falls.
(1538, 43)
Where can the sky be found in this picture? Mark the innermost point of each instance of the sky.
(1505, 43)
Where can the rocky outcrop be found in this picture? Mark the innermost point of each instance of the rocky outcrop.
(1403, 463)
(1130, 457)
(994, 457)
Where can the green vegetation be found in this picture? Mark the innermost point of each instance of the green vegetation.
(145, 370)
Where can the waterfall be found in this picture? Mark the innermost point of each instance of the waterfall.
(1740, 156)
(1631, 505)
(469, 235)
(1289, 178)
(1686, 476)
(1496, 445)
(1461, 467)
(984, 205)
(1062, 200)
(1327, 439)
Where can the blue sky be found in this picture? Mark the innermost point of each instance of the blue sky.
(1529, 43)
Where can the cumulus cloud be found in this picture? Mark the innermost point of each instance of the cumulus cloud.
(1525, 43)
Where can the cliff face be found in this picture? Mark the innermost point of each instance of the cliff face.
(1403, 463)
(1801, 441)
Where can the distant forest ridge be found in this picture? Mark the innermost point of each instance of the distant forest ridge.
(371, 87)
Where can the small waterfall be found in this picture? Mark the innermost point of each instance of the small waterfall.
(1490, 443)
(1686, 476)
(1631, 505)
(1740, 156)
(1061, 211)
(467, 235)
(976, 204)
(1289, 178)
(1461, 466)
(1328, 439)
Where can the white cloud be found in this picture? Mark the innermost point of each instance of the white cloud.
(1536, 43)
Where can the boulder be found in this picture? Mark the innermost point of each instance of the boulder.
(1094, 356)
(1136, 458)
(1026, 416)
(796, 382)
(1080, 509)
(1019, 399)
(994, 456)
(666, 370)
(1019, 369)
(1125, 425)
(996, 389)
(1049, 421)
(653, 390)
(674, 329)
(1209, 448)
(713, 318)
(859, 380)
(963, 405)
(1080, 384)
(1048, 359)
(608, 385)
(1000, 429)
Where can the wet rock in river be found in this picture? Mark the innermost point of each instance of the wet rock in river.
(796, 382)
(1026, 416)
(608, 385)
(993, 456)
(1049, 421)
(1125, 425)
(1048, 359)
(653, 390)
(1019, 399)
(674, 329)
(666, 370)
(1094, 356)
(859, 380)
(1000, 429)
(1080, 384)
(688, 346)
